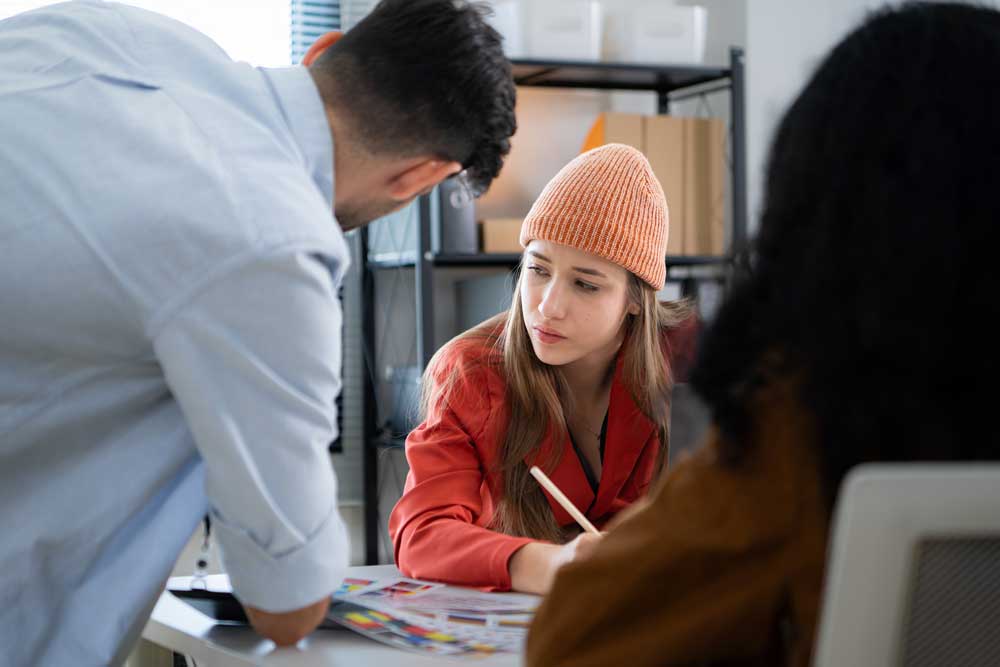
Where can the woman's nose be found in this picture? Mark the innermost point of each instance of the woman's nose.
(552, 305)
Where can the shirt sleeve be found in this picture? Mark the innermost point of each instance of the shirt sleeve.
(254, 359)
(434, 526)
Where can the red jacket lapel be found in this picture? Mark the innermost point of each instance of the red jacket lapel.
(628, 432)
(568, 476)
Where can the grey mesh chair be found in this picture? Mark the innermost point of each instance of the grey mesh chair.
(913, 574)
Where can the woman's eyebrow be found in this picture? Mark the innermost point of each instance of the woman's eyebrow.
(589, 272)
(578, 269)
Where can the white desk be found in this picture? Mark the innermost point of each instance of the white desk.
(178, 627)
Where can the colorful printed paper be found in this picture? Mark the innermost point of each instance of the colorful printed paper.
(434, 618)
(351, 584)
(396, 631)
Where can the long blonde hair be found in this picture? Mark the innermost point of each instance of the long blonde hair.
(536, 399)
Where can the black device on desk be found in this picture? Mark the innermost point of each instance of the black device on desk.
(223, 607)
(219, 605)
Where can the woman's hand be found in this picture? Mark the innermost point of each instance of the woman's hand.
(578, 548)
(533, 567)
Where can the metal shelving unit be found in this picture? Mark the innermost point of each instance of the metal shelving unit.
(671, 84)
(510, 260)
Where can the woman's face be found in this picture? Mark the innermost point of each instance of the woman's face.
(573, 303)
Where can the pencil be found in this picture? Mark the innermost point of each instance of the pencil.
(561, 498)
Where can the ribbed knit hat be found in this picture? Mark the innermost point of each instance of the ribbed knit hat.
(607, 202)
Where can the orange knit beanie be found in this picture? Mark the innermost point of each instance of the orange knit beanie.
(607, 202)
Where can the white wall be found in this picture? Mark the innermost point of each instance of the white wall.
(256, 31)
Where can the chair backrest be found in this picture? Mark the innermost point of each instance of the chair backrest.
(913, 573)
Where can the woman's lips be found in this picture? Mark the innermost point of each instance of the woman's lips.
(548, 336)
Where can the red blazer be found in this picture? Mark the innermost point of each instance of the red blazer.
(438, 527)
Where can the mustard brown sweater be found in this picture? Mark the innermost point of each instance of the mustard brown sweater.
(723, 566)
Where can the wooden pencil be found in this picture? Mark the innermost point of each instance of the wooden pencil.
(561, 498)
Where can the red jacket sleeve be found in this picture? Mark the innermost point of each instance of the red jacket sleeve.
(434, 525)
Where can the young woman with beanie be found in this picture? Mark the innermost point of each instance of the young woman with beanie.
(575, 377)
(858, 334)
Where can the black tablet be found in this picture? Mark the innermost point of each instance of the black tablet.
(223, 607)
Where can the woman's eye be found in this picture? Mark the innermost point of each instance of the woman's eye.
(587, 287)
(537, 270)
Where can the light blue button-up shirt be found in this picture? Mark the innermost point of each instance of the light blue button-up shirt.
(169, 332)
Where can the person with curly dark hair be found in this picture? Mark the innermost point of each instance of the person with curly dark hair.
(857, 332)
(170, 332)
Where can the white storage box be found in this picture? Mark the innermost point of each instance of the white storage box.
(508, 20)
(665, 34)
(563, 30)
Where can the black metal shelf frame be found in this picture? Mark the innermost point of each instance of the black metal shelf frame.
(670, 83)
(510, 260)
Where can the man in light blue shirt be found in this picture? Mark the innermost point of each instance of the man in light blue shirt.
(169, 328)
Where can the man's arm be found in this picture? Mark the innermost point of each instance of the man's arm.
(288, 628)
(253, 359)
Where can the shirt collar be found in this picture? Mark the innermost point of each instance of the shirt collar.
(300, 102)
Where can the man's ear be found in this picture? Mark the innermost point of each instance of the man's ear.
(320, 45)
(419, 177)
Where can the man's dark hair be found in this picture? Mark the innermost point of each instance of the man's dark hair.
(426, 76)
(874, 276)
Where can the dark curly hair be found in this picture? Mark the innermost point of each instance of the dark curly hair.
(426, 76)
(873, 277)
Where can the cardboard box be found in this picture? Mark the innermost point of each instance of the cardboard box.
(663, 146)
(615, 128)
(688, 157)
(500, 235)
(704, 196)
